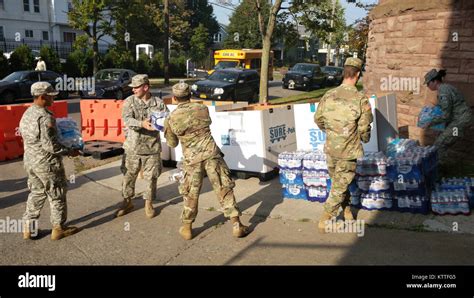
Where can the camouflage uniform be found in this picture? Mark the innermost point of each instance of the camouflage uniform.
(345, 115)
(43, 160)
(456, 115)
(189, 124)
(142, 147)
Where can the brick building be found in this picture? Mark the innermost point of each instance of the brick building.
(408, 38)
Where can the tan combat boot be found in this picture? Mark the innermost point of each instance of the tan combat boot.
(126, 207)
(238, 229)
(348, 213)
(60, 232)
(323, 222)
(149, 211)
(26, 230)
(186, 231)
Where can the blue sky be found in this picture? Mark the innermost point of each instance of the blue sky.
(351, 11)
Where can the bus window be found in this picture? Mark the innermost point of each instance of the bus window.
(255, 63)
(226, 64)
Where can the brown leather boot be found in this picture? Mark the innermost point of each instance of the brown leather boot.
(149, 211)
(238, 229)
(126, 207)
(186, 231)
(60, 232)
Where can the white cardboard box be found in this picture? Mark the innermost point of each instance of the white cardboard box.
(310, 137)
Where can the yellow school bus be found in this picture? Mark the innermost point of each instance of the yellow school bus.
(245, 58)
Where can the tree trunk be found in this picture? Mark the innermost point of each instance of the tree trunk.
(166, 61)
(267, 42)
(95, 56)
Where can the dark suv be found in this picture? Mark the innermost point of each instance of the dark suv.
(304, 75)
(229, 84)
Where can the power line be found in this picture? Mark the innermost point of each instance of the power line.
(223, 6)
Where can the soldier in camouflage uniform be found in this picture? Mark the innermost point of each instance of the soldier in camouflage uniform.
(43, 162)
(344, 114)
(456, 113)
(189, 124)
(142, 144)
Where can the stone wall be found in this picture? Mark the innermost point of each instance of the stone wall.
(408, 38)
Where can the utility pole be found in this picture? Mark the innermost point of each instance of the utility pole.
(328, 56)
(167, 37)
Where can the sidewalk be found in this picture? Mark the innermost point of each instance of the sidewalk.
(284, 231)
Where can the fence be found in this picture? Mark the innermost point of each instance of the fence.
(63, 49)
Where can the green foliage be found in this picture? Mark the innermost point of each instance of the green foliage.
(116, 58)
(22, 59)
(157, 65)
(51, 58)
(143, 64)
(4, 67)
(199, 44)
(177, 66)
(244, 21)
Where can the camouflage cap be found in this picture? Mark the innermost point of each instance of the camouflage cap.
(42, 88)
(181, 90)
(356, 62)
(430, 75)
(139, 80)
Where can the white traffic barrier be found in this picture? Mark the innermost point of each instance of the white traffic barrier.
(310, 137)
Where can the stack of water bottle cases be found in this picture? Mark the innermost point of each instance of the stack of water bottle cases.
(403, 179)
(304, 175)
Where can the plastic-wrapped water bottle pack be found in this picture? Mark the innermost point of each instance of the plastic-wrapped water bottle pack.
(372, 164)
(157, 119)
(427, 115)
(398, 146)
(411, 203)
(458, 184)
(69, 134)
(303, 175)
(376, 201)
(450, 202)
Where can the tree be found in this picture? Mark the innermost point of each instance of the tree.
(94, 18)
(359, 33)
(203, 14)
(4, 67)
(51, 58)
(243, 28)
(199, 44)
(266, 34)
(323, 18)
(22, 59)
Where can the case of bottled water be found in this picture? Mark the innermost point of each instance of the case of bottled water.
(455, 184)
(69, 134)
(426, 117)
(406, 202)
(291, 160)
(157, 119)
(376, 201)
(450, 202)
(294, 191)
(317, 193)
(291, 176)
(315, 160)
(398, 146)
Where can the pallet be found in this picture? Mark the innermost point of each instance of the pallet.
(262, 176)
(102, 149)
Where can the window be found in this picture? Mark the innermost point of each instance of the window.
(2, 6)
(48, 76)
(29, 33)
(217, 37)
(36, 6)
(255, 63)
(126, 76)
(2, 36)
(33, 77)
(26, 5)
(69, 36)
(45, 35)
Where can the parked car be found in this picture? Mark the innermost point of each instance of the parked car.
(333, 74)
(17, 85)
(229, 84)
(305, 76)
(111, 83)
